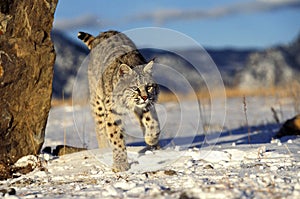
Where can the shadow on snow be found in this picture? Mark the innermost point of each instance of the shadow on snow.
(258, 134)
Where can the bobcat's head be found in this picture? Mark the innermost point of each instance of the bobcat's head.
(137, 86)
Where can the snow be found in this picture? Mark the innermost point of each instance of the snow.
(223, 161)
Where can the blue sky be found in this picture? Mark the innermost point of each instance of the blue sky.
(219, 24)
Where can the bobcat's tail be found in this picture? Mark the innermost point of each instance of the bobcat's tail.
(86, 38)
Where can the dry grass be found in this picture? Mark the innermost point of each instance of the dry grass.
(61, 102)
(246, 118)
(292, 91)
(279, 92)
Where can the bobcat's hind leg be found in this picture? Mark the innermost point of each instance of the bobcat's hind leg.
(99, 117)
(115, 134)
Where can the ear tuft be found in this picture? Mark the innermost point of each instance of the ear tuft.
(148, 67)
(124, 69)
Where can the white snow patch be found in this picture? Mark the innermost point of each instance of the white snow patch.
(228, 164)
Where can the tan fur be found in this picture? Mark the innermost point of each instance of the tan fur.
(120, 81)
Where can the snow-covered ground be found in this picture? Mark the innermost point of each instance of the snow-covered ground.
(207, 152)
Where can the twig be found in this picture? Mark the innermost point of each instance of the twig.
(84, 142)
(204, 122)
(202, 117)
(275, 115)
(288, 149)
(65, 133)
(246, 117)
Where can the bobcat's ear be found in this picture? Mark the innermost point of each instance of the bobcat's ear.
(148, 67)
(124, 69)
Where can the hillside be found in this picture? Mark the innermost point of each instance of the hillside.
(243, 68)
(277, 66)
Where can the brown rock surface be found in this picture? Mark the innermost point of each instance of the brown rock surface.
(290, 127)
(26, 71)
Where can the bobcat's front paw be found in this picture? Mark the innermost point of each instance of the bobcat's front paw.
(120, 166)
(153, 147)
(149, 148)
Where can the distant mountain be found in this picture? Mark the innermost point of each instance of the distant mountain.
(196, 64)
(247, 68)
(69, 56)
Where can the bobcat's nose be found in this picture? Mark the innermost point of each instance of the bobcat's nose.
(144, 97)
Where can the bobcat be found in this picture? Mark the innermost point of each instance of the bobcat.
(120, 80)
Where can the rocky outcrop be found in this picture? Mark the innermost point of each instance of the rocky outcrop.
(26, 70)
(290, 127)
(61, 150)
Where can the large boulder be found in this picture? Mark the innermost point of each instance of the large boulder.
(290, 127)
(26, 70)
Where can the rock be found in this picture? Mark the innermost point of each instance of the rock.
(65, 149)
(290, 127)
(10, 191)
(62, 150)
(4, 172)
(26, 69)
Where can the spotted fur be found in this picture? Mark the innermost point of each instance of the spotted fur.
(120, 80)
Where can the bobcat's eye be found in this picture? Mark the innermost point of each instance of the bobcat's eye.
(135, 89)
(149, 88)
